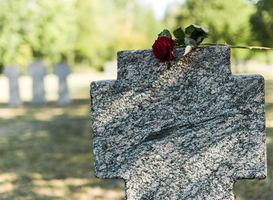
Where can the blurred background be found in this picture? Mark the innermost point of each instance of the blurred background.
(46, 151)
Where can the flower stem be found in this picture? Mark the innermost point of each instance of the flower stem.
(225, 44)
(241, 47)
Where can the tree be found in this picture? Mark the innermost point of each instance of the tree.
(89, 31)
(262, 23)
(12, 20)
(51, 29)
(227, 20)
(35, 29)
(108, 26)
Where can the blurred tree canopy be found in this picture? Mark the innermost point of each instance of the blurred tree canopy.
(262, 27)
(262, 23)
(34, 30)
(226, 20)
(89, 31)
(107, 26)
(92, 31)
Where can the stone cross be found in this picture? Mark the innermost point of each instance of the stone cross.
(37, 70)
(13, 73)
(184, 130)
(62, 70)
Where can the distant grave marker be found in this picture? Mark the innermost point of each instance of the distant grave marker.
(185, 132)
(62, 70)
(37, 70)
(13, 73)
(110, 67)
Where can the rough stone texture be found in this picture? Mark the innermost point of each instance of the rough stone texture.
(62, 70)
(187, 132)
(13, 73)
(37, 70)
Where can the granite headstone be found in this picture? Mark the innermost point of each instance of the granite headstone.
(37, 70)
(13, 73)
(62, 70)
(184, 130)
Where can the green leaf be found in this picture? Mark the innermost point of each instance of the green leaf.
(189, 41)
(165, 32)
(180, 35)
(197, 33)
(190, 29)
(199, 40)
(160, 34)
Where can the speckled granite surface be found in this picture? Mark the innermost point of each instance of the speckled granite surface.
(187, 132)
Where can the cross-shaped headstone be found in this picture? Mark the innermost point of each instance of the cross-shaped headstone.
(37, 70)
(62, 70)
(13, 73)
(187, 130)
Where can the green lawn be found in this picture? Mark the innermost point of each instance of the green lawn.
(46, 153)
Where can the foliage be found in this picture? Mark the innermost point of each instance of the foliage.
(262, 23)
(35, 29)
(51, 29)
(89, 31)
(110, 26)
(195, 35)
(227, 20)
(133, 28)
(13, 23)
(262, 27)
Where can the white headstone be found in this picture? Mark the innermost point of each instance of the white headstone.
(37, 70)
(13, 73)
(110, 67)
(62, 70)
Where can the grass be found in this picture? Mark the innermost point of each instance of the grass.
(46, 153)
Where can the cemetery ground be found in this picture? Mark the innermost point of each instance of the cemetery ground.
(46, 153)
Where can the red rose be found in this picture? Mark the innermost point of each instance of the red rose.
(163, 48)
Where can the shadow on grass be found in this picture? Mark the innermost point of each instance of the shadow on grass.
(46, 153)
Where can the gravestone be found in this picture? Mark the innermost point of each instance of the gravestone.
(13, 73)
(187, 130)
(110, 67)
(37, 70)
(62, 70)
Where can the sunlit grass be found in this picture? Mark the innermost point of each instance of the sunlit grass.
(46, 153)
